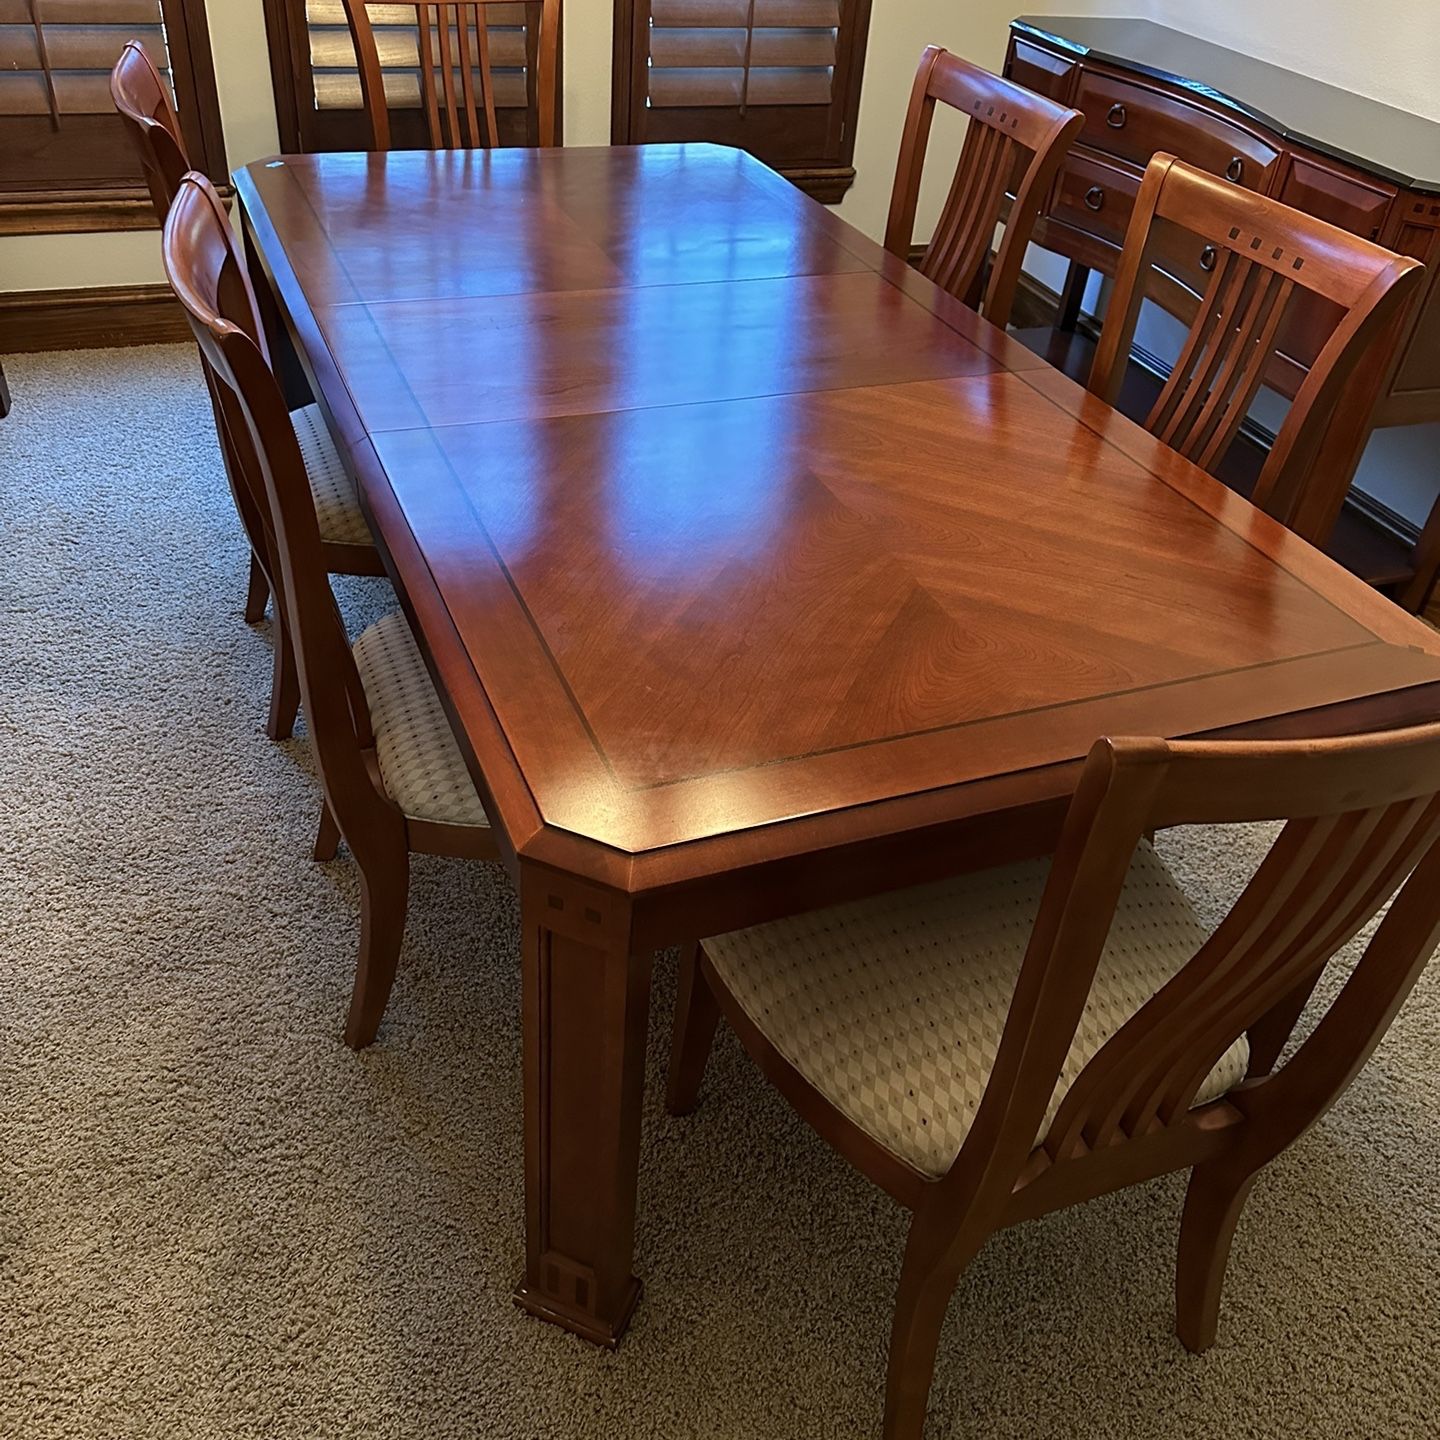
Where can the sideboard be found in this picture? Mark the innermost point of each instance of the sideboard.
(1364, 166)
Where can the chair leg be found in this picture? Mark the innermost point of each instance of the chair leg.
(327, 841)
(925, 1290)
(384, 893)
(258, 593)
(284, 686)
(1217, 1194)
(696, 1016)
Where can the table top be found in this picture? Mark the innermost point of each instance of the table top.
(1380, 138)
(722, 528)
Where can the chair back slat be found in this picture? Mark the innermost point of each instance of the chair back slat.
(1015, 138)
(202, 263)
(456, 70)
(1275, 940)
(1263, 257)
(1362, 829)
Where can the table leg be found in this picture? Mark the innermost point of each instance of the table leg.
(1077, 277)
(283, 356)
(586, 1004)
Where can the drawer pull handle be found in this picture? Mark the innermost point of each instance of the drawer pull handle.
(1117, 117)
(1095, 198)
(1208, 257)
(1235, 170)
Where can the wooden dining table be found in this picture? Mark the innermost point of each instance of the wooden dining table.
(755, 573)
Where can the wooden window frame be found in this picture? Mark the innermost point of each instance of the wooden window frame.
(288, 36)
(99, 208)
(829, 178)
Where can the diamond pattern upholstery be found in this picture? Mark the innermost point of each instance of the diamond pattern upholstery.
(893, 1007)
(337, 507)
(420, 760)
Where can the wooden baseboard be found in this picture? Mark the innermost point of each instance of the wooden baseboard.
(99, 318)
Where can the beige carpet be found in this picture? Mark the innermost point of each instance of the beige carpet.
(217, 1222)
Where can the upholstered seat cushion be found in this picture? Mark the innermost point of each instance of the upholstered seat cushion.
(337, 507)
(893, 1007)
(420, 760)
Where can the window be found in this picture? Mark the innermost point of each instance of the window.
(779, 78)
(65, 161)
(317, 85)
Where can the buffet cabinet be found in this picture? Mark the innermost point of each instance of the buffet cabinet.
(1363, 166)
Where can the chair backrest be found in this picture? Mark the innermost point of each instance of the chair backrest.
(204, 268)
(1015, 138)
(143, 100)
(1363, 823)
(457, 78)
(1259, 254)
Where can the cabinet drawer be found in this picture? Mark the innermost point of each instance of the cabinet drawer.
(1319, 188)
(1359, 206)
(1040, 70)
(1095, 195)
(1134, 122)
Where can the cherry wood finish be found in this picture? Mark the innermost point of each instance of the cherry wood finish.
(1015, 138)
(1363, 823)
(457, 82)
(144, 106)
(204, 267)
(143, 103)
(1362, 166)
(849, 621)
(1260, 256)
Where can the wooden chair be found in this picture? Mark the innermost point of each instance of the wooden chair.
(983, 1081)
(393, 775)
(1259, 254)
(1007, 124)
(457, 79)
(143, 101)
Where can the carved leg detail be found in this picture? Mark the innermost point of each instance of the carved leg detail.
(284, 686)
(384, 893)
(1213, 1204)
(586, 1004)
(258, 593)
(327, 841)
(696, 1017)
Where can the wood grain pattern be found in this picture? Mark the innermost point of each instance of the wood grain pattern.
(749, 590)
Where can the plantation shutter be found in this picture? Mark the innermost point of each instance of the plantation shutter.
(737, 53)
(776, 77)
(334, 120)
(58, 127)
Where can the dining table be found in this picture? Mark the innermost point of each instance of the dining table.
(755, 573)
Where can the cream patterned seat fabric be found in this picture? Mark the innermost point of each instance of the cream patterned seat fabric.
(893, 1008)
(420, 760)
(337, 507)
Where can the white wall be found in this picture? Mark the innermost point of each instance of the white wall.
(1387, 49)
